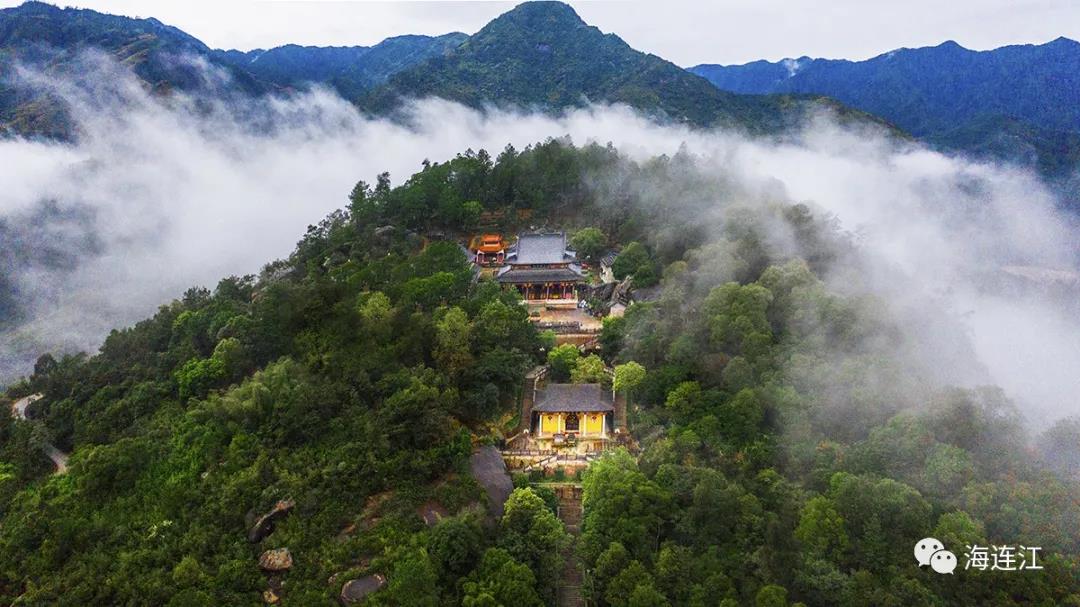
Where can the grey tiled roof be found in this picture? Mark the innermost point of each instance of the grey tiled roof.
(533, 249)
(573, 397)
(539, 275)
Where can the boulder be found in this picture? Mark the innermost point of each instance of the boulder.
(354, 591)
(265, 525)
(432, 512)
(489, 469)
(279, 559)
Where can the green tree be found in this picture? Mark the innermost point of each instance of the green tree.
(589, 370)
(631, 259)
(628, 377)
(621, 587)
(646, 595)
(198, 376)
(376, 314)
(738, 318)
(741, 417)
(455, 545)
(821, 528)
(533, 536)
(684, 401)
(588, 242)
(452, 342)
(610, 562)
(471, 210)
(771, 596)
(562, 360)
(414, 581)
(500, 581)
(621, 505)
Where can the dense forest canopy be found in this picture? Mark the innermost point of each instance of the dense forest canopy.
(794, 442)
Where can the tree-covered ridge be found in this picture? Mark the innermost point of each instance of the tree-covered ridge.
(766, 407)
(346, 377)
(55, 40)
(1016, 102)
(541, 54)
(792, 450)
(350, 70)
(39, 35)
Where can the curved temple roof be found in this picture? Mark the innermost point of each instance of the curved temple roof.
(540, 249)
(577, 398)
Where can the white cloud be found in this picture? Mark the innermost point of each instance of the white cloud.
(181, 196)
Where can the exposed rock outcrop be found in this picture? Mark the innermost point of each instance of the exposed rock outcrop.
(432, 512)
(489, 469)
(265, 525)
(354, 591)
(279, 559)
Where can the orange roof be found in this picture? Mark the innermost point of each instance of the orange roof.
(490, 243)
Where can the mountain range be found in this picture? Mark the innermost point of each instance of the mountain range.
(350, 70)
(538, 55)
(541, 54)
(1017, 102)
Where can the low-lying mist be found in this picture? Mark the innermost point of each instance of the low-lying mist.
(159, 194)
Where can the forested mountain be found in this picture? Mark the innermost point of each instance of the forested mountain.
(791, 452)
(351, 70)
(958, 98)
(41, 36)
(541, 54)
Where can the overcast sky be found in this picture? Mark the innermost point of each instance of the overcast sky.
(688, 33)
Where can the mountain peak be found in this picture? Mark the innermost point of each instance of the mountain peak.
(950, 45)
(34, 7)
(546, 9)
(546, 15)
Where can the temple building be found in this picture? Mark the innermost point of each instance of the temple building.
(543, 269)
(582, 417)
(490, 250)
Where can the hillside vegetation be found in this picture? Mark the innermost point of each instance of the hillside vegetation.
(1016, 102)
(349, 70)
(538, 56)
(791, 451)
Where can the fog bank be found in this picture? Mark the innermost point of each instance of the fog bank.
(159, 195)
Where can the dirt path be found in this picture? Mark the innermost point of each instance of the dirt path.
(58, 457)
(570, 513)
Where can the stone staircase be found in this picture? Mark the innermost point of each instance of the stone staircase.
(569, 592)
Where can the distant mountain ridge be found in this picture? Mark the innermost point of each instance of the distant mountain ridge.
(351, 70)
(945, 94)
(52, 38)
(539, 55)
(1016, 103)
(542, 54)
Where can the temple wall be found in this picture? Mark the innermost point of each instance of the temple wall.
(534, 380)
(550, 423)
(620, 411)
(593, 424)
(590, 424)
